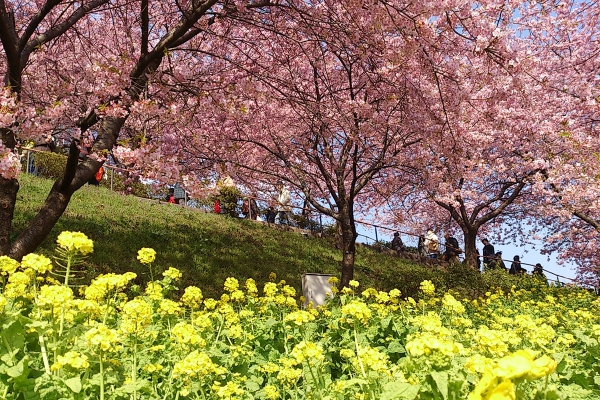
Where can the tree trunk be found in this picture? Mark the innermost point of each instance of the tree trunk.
(349, 235)
(8, 198)
(76, 175)
(470, 238)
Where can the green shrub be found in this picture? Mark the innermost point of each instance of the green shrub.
(48, 165)
(229, 198)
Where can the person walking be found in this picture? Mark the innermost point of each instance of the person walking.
(452, 249)
(538, 272)
(270, 215)
(283, 207)
(488, 253)
(431, 243)
(499, 262)
(95, 180)
(254, 211)
(397, 243)
(171, 196)
(515, 267)
(421, 246)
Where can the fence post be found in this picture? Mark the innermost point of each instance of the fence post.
(112, 171)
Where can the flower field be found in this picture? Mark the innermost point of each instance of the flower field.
(115, 340)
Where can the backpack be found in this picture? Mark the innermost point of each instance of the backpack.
(433, 246)
(99, 174)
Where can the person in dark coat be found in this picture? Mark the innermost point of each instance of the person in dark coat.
(488, 253)
(253, 209)
(515, 267)
(538, 272)
(271, 215)
(452, 249)
(397, 242)
(421, 246)
(499, 262)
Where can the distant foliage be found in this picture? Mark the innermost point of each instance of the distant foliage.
(48, 165)
(52, 165)
(229, 198)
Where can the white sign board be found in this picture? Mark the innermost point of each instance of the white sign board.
(316, 288)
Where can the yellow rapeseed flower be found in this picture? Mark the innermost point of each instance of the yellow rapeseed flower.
(169, 307)
(102, 285)
(299, 317)
(102, 337)
(73, 359)
(8, 265)
(146, 255)
(136, 316)
(39, 263)
(541, 367)
(186, 333)
(197, 364)
(310, 352)
(357, 310)
(251, 287)
(54, 296)
(172, 273)
(231, 284)
(153, 368)
(270, 289)
(271, 392)
(427, 288)
(75, 242)
(154, 290)
(231, 390)
(192, 297)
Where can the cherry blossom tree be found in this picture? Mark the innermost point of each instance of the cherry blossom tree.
(84, 68)
(504, 119)
(25, 29)
(348, 113)
(569, 211)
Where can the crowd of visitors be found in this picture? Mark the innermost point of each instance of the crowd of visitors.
(429, 246)
(279, 212)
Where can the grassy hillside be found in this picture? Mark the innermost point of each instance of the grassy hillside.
(208, 248)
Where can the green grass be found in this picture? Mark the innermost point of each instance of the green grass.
(208, 248)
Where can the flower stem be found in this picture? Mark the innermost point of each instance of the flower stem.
(68, 271)
(101, 377)
(134, 368)
(44, 353)
(362, 368)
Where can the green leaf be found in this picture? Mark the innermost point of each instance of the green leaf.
(252, 387)
(400, 391)
(395, 346)
(20, 369)
(74, 384)
(14, 333)
(441, 381)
